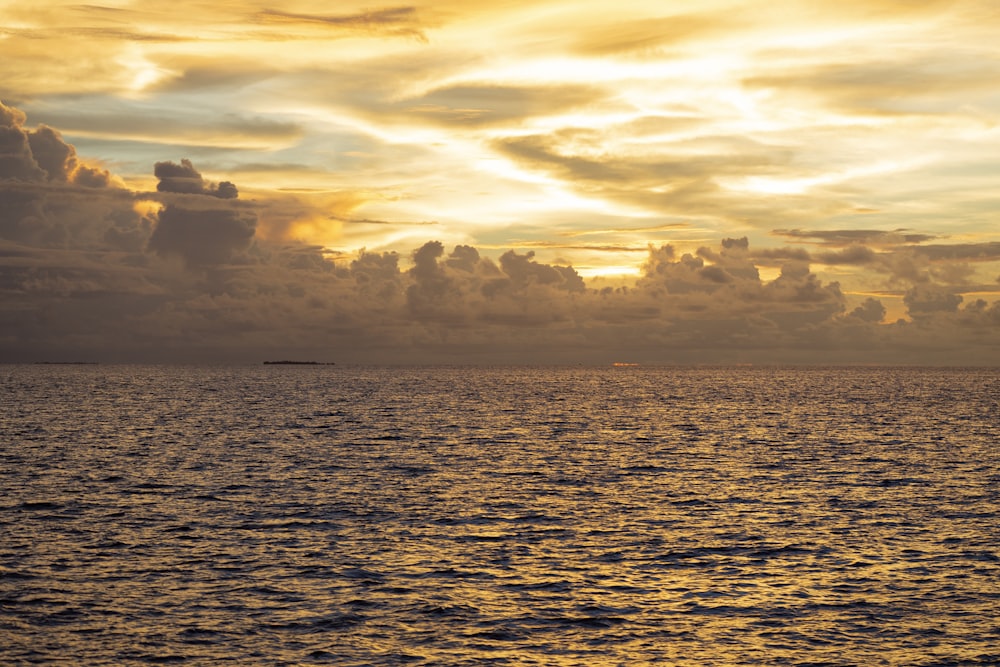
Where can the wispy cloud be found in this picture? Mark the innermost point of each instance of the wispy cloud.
(852, 144)
(847, 237)
(393, 21)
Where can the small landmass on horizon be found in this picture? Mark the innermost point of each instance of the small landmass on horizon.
(286, 362)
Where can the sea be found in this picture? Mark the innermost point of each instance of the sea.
(618, 515)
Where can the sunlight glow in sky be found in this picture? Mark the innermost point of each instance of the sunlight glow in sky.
(860, 138)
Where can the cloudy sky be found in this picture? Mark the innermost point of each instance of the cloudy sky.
(526, 181)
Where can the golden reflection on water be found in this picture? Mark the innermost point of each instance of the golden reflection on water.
(441, 516)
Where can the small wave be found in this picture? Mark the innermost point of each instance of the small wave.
(410, 470)
(591, 622)
(455, 573)
(498, 635)
(40, 505)
(184, 528)
(396, 590)
(691, 502)
(64, 616)
(164, 659)
(291, 524)
(8, 574)
(470, 535)
(326, 623)
(536, 518)
(363, 575)
(484, 537)
(552, 585)
(647, 469)
(698, 557)
(741, 500)
(210, 497)
(609, 557)
(362, 603)
(725, 610)
(444, 611)
(900, 481)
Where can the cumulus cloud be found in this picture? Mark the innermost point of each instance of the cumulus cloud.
(16, 159)
(853, 255)
(523, 271)
(42, 154)
(925, 300)
(91, 269)
(51, 198)
(201, 237)
(184, 178)
(871, 310)
(208, 228)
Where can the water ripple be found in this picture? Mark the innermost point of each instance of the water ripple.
(365, 516)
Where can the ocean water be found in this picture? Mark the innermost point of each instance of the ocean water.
(300, 515)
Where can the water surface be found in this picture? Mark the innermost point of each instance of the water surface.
(562, 516)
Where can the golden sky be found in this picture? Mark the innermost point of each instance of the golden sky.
(857, 142)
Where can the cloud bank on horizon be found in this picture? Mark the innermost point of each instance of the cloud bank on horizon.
(93, 269)
(529, 182)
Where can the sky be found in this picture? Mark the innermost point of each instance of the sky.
(721, 181)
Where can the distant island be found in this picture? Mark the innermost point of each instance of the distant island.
(286, 362)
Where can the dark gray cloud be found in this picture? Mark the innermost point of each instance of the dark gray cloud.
(181, 177)
(855, 255)
(430, 293)
(202, 237)
(871, 310)
(970, 252)
(924, 300)
(523, 271)
(48, 196)
(778, 256)
(16, 159)
(206, 230)
(41, 154)
(290, 298)
(86, 272)
(908, 264)
(184, 178)
(59, 160)
(53, 155)
(850, 237)
(464, 258)
(465, 288)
